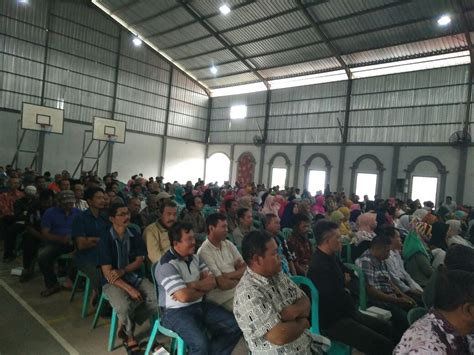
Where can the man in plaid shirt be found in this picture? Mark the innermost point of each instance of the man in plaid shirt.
(381, 290)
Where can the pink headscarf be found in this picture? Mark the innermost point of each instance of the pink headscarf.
(367, 222)
(318, 207)
(271, 205)
(355, 207)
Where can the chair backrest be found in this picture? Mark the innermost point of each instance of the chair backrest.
(362, 285)
(301, 280)
(416, 313)
(153, 269)
(287, 232)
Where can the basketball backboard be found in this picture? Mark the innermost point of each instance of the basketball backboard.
(42, 118)
(109, 130)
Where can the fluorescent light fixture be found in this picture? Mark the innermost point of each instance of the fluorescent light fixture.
(23, 2)
(337, 75)
(238, 112)
(240, 89)
(224, 9)
(403, 66)
(444, 20)
(213, 70)
(137, 42)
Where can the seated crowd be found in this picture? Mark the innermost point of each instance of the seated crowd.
(225, 260)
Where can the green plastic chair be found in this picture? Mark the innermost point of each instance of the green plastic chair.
(362, 286)
(157, 327)
(87, 292)
(113, 322)
(416, 313)
(301, 280)
(208, 210)
(286, 232)
(348, 247)
(337, 348)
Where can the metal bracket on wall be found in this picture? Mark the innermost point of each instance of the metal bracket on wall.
(18, 150)
(85, 150)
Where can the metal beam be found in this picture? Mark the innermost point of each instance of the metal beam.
(110, 147)
(347, 112)
(394, 176)
(466, 125)
(222, 40)
(406, 23)
(164, 141)
(208, 132)
(340, 169)
(189, 23)
(283, 13)
(124, 7)
(297, 167)
(320, 23)
(41, 140)
(151, 17)
(267, 115)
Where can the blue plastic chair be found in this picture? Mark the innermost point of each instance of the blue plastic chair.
(337, 348)
(87, 292)
(157, 327)
(113, 322)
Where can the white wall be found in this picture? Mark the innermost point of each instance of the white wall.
(140, 154)
(184, 161)
(219, 148)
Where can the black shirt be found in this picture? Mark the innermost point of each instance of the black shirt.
(327, 274)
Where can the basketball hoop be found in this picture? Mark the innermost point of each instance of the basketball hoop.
(111, 138)
(46, 127)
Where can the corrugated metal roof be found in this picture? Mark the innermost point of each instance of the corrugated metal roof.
(281, 41)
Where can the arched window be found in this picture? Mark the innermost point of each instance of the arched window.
(217, 168)
(245, 168)
(279, 170)
(317, 173)
(367, 176)
(427, 179)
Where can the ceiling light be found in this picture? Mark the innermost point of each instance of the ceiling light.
(213, 70)
(23, 2)
(224, 9)
(137, 42)
(444, 20)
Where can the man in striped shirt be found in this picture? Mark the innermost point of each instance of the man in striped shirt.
(183, 279)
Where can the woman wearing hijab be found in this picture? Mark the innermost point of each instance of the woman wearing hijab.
(271, 206)
(365, 225)
(417, 256)
(344, 226)
(454, 234)
(437, 243)
(208, 198)
(318, 207)
(179, 199)
(291, 209)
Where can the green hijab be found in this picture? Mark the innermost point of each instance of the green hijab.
(413, 245)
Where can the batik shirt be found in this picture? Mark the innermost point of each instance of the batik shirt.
(433, 334)
(258, 301)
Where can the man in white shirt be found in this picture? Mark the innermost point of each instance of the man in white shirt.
(223, 259)
(80, 203)
(396, 268)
